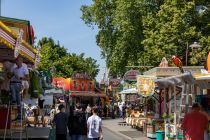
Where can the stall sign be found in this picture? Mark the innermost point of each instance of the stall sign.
(81, 76)
(62, 83)
(145, 85)
(115, 83)
(131, 75)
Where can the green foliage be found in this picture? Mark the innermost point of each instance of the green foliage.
(141, 32)
(52, 54)
(35, 87)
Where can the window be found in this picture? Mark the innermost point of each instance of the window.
(90, 86)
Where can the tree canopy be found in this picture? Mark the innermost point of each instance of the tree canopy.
(55, 55)
(141, 32)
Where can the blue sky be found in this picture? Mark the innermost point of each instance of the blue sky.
(59, 19)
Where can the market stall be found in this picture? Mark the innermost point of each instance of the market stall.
(80, 87)
(15, 41)
(177, 105)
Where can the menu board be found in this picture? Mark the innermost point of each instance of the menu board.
(145, 85)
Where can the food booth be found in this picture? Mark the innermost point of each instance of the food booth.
(80, 87)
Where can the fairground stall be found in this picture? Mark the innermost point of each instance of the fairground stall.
(129, 92)
(16, 40)
(176, 103)
(81, 87)
(178, 93)
(154, 98)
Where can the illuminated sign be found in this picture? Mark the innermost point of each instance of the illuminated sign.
(145, 85)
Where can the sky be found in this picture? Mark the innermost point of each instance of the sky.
(59, 19)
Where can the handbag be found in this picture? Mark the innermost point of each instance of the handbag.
(52, 135)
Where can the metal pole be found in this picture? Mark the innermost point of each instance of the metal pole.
(187, 53)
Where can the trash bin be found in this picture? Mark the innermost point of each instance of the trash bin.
(160, 135)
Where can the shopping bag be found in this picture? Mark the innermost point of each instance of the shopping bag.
(52, 135)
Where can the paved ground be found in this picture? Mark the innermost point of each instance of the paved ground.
(111, 131)
(125, 132)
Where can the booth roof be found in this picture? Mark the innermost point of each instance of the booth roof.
(202, 81)
(131, 90)
(86, 95)
(175, 80)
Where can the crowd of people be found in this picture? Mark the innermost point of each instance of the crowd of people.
(80, 123)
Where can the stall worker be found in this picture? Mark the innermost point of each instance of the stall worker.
(18, 74)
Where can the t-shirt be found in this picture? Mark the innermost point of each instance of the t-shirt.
(94, 124)
(195, 124)
(19, 72)
(61, 121)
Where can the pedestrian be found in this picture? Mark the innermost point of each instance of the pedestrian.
(94, 125)
(52, 114)
(123, 111)
(195, 123)
(100, 111)
(105, 110)
(88, 111)
(77, 123)
(41, 108)
(61, 120)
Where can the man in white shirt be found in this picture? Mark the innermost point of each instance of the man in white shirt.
(18, 74)
(94, 125)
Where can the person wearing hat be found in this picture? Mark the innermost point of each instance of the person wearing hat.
(61, 120)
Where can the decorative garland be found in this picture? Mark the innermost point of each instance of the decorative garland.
(12, 47)
(15, 35)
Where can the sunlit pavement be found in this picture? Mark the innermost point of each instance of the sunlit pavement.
(121, 132)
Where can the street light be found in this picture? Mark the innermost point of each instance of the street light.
(195, 45)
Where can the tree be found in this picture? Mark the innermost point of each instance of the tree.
(141, 32)
(52, 54)
(171, 29)
(119, 23)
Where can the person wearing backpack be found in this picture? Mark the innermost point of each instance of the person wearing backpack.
(77, 123)
(94, 125)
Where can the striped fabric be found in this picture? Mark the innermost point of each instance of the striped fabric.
(12, 41)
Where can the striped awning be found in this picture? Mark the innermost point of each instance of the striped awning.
(8, 39)
(87, 95)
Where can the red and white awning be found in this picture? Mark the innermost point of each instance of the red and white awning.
(8, 40)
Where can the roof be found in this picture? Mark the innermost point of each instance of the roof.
(8, 40)
(86, 95)
(173, 71)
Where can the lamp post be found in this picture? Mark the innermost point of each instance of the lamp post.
(195, 45)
